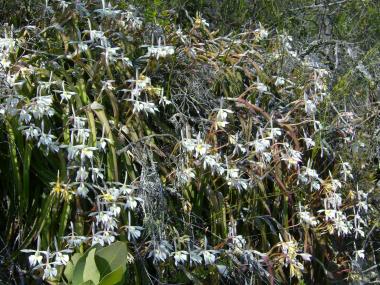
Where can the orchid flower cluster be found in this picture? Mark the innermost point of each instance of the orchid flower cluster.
(6, 45)
(142, 84)
(48, 261)
(159, 50)
(289, 251)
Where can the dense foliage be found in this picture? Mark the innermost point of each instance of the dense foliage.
(148, 142)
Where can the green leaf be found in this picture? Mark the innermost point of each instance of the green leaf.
(88, 282)
(111, 257)
(14, 162)
(115, 277)
(69, 268)
(26, 179)
(65, 215)
(91, 271)
(86, 269)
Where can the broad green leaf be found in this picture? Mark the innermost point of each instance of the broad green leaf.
(111, 257)
(86, 268)
(88, 282)
(91, 271)
(115, 277)
(69, 269)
